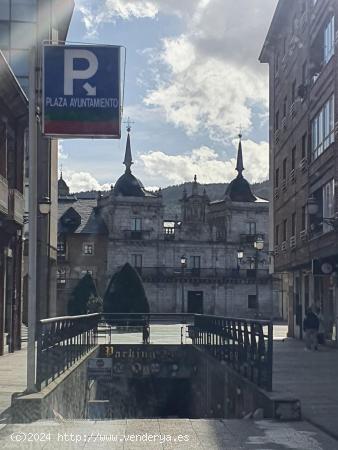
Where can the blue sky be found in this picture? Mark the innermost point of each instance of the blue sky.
(192, 79)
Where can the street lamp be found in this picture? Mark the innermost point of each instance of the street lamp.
(44, 206)
(258, 245)
(312, 206)
(313, 210)
(240, 256)
(183, 266)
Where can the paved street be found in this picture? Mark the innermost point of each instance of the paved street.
(310, 376)
(12, 378)
(159, 334)
(167, 434)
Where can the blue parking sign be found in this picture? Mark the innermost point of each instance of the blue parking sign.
(81, 91)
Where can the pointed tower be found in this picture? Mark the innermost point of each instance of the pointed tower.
(194, 206)
(239, 189)
(128, 160)
(128, 185)
(63, 189)
(195, 186)
(239, 165)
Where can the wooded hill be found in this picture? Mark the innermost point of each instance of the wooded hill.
(173, 194)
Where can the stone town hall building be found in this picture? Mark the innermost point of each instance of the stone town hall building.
(128, 224)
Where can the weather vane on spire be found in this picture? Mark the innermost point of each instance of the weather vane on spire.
(240, 131)
(128, 122)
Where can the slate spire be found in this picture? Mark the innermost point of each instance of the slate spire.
(128, 160)
(195, 186)
(239, 165)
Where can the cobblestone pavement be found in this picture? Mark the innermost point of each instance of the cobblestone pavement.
(166, 434)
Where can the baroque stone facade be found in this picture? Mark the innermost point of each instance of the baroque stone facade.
(128, 224)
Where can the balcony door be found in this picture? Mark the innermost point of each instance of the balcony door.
(195, 302)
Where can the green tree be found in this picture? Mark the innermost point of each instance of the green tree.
(82, 296)
(125, 293)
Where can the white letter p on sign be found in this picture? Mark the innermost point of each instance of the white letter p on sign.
(70, 74)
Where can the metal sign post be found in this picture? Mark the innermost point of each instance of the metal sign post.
(32, 262)
(81, 91)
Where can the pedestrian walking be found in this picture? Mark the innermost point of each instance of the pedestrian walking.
(321, 329)
(146, 333)
(311, 327)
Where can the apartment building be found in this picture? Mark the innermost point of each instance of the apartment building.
(25, 24)
(300, 49)
(13, 123)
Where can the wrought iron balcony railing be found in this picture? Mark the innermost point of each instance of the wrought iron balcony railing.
(136, 234)
(202, 273)
(249, 238)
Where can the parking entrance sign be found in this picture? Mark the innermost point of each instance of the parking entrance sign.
(81, 91)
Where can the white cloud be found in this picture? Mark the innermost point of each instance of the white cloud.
(105, 11)
(132, 8)
(208, 79)
(215, 79)
(61, 153)
(209, 95)
(152, 188)
(83, 181)
(205, 163)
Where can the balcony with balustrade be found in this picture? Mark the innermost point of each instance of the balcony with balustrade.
(3, 195)
(204, 275)
(15, 206)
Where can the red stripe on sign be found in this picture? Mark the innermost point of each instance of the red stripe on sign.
(78, 128)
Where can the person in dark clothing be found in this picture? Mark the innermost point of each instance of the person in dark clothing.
(311, 327)
(321, 330)
(146, 333)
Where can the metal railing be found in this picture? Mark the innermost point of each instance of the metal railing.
(124, 319)
(218, 273)
(171, 274)
(61, 342)
(246, 345)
